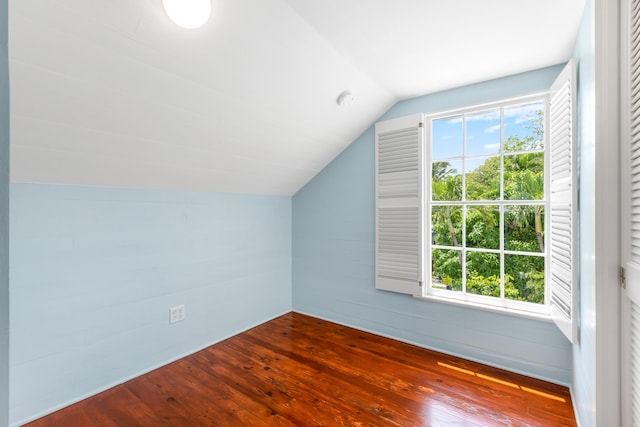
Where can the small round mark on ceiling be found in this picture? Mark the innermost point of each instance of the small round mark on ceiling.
(346, 98)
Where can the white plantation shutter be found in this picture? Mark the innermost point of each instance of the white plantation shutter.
(630, 210)
(631, 253)
(399, 213)
(563, 218)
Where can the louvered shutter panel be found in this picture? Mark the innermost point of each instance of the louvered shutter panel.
(631, 255)
(631, 206)
(399, 218)
(563, 218)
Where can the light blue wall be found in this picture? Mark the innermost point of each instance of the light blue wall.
(584, 353)
(4, 217)
(94, 272)
(333, 258)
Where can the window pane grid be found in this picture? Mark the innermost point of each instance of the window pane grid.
(495, 251)
(476, 251)
(489, 202)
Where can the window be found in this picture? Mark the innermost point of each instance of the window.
(486, 204)
(478, 206)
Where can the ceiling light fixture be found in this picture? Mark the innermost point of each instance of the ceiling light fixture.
(188, 13)
(346, 98)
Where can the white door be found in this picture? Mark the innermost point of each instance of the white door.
(630, 210)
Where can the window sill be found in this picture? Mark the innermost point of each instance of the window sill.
(543, 317)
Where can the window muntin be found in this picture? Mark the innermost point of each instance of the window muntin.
(486, 205)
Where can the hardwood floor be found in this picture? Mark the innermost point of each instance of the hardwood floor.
(301, 371)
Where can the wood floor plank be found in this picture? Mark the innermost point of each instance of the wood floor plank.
(283, 393)
(399, 379)
(464, 375)
(297, 370)
(316, 389)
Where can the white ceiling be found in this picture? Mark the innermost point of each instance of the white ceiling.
(112, 93)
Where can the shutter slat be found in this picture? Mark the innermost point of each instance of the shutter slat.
(398, 184)
(635, 15)
(399, 243)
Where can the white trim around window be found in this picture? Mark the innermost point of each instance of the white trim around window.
(489, 303)
(407, 168)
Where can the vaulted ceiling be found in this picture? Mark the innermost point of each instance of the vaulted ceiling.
(112, 93)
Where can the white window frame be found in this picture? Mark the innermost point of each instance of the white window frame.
(461, 297)
(401, 202)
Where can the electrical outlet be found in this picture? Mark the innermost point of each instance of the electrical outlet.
(176, 313)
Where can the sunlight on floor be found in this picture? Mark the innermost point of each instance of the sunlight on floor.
(503, 382)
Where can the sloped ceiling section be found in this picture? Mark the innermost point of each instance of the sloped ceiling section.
(111, 93)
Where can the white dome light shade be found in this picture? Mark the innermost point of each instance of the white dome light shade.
(188, 13)
(346, 98)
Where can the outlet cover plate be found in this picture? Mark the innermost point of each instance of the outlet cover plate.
(176, 314)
